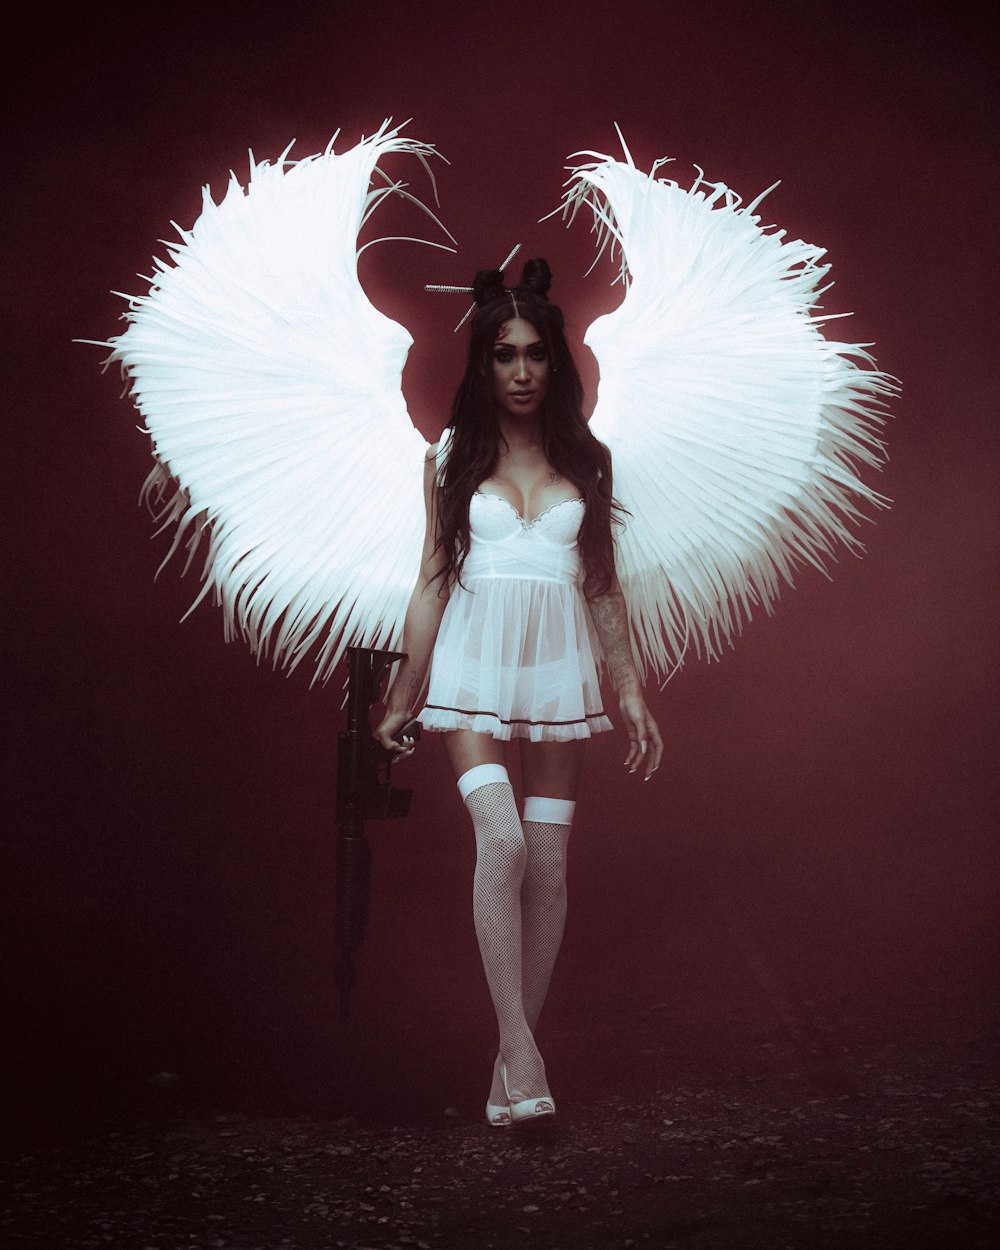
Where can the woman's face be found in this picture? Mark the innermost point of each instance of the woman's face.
(520, 369)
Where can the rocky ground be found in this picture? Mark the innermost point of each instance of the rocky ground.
(805, 1143)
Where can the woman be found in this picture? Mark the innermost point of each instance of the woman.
(519, 523)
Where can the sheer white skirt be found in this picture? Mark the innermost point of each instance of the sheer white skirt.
(513, 659)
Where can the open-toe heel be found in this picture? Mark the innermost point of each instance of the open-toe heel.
(498, 1115)
(528, 1109)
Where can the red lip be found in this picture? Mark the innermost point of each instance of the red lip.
(522, 394)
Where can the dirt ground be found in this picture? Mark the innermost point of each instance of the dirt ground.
(825, 1135)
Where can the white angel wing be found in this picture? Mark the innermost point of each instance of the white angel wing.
(270, 387)
(734, 426)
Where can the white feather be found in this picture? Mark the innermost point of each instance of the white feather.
(736, 429)
(270, 388)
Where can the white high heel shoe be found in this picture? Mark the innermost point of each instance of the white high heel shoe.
(527, 1108)
(498, 1114)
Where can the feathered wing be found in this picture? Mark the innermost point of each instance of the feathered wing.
(736, 429)
(270, 388)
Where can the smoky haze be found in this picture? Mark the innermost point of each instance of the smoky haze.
(823, 821)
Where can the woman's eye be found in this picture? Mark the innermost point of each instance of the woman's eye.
(502, 358)
(539, 354)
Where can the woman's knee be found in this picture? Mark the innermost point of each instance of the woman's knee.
(487, 793)
(501, 849)
(547, 856)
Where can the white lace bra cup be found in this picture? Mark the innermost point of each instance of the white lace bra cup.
(504, 544)
(485, 518)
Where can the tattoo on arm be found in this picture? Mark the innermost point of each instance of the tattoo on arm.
(611, 623)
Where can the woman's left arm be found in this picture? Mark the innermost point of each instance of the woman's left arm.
(611, 623)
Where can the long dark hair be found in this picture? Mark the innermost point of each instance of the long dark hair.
(567, 442)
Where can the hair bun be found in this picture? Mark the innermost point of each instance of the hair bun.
(487, 285)
(537, 277)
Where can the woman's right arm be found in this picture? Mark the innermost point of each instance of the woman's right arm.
(423, 619)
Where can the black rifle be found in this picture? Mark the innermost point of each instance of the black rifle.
(364, 793)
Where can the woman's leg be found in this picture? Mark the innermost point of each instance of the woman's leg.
(496, 904)
(551, 772)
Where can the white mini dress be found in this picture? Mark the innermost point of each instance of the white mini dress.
(513, 655)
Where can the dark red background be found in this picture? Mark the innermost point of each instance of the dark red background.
(171, 873)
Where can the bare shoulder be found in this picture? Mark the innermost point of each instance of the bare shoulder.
(435, 456)
(431, 472)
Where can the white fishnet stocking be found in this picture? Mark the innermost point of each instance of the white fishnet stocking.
(543, 918)
(543, 911)
(501, 859)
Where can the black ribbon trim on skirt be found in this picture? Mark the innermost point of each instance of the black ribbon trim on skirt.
(522, 720)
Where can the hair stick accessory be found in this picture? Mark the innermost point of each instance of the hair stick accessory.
(467, 290)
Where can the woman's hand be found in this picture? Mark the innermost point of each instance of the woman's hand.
(386, 733)
(610, 618)
(420, 629)
(645, 746)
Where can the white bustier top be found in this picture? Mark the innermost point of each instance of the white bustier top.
(504, 545)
